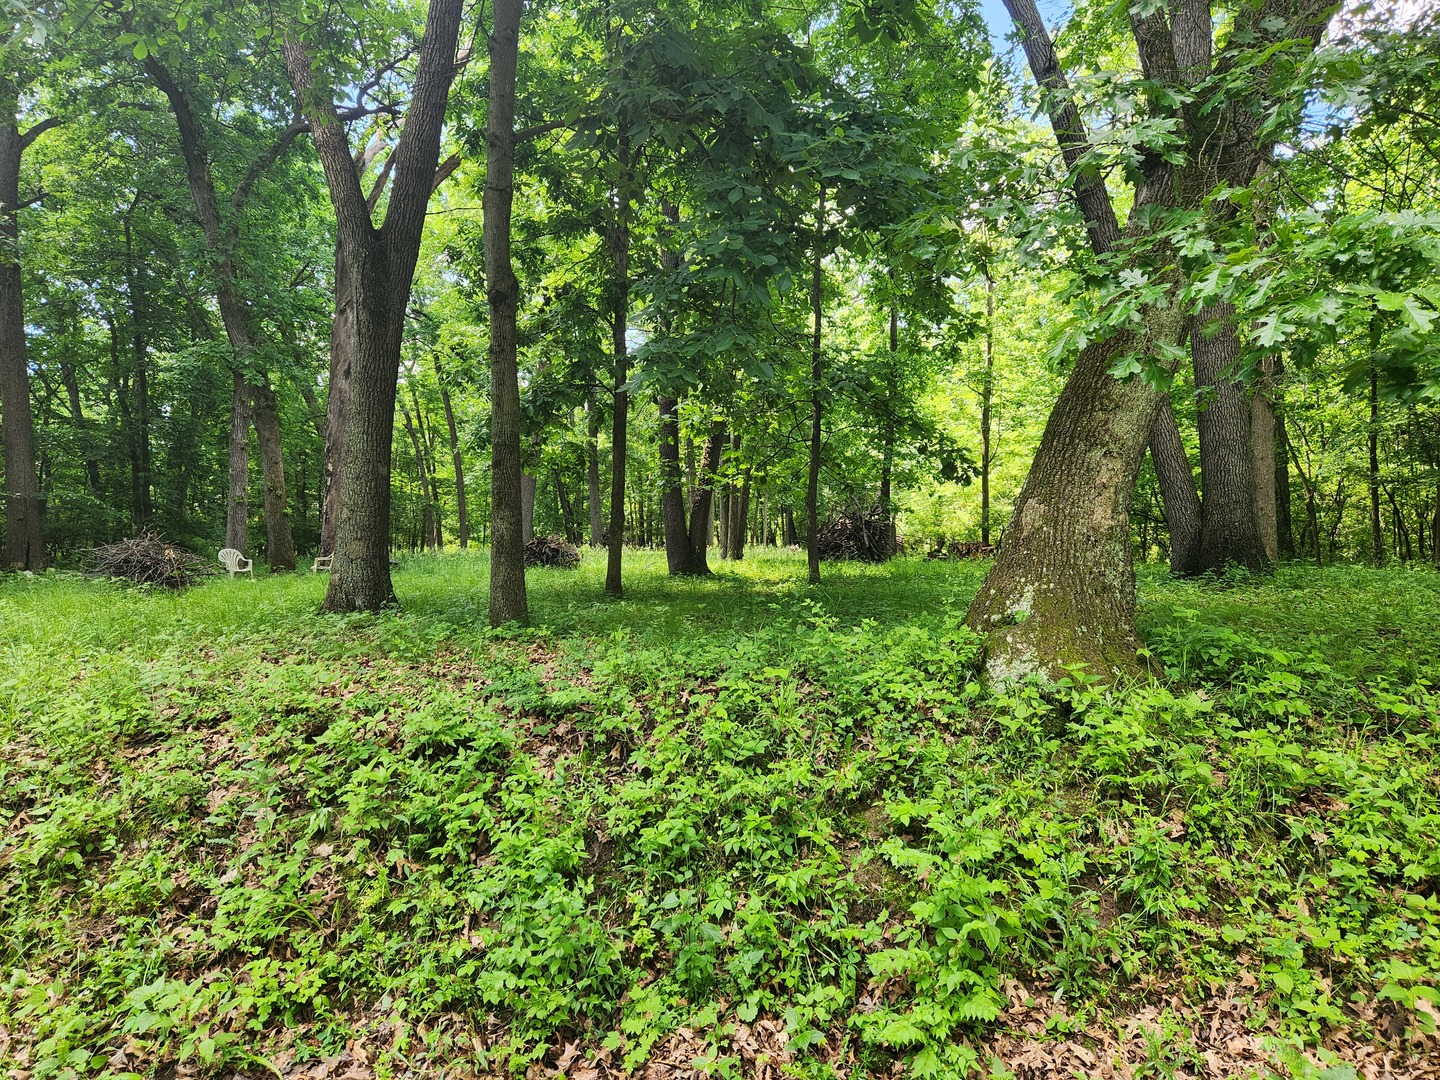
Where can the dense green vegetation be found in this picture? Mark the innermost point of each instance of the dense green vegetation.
(716, 819)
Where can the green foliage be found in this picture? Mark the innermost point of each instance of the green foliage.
(239, 829)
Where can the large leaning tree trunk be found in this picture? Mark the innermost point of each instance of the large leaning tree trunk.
(383, 262)
(24, 510)
(1062, 591)
(508, 602)
(236, 316)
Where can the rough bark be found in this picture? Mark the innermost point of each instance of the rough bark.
(1177, 489)
(383, 261)
(237, 505)
(1262, 459)
(265, 415)
(1284, 526)
(342, 360)
(679, 555)
(1062, 589)
(702, 502)
(24, 509)
(508, 602)
(1229, 535)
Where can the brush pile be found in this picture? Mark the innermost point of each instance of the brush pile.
(552, 550)
(961, 549)
(865, 537)
(148, 560)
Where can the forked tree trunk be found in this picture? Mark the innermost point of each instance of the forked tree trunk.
(1062, 590)
(1177, 489)
(24, 510)
(508, 602)
(1228, 532)
(383, 264)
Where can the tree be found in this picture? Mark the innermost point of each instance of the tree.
(383, 262)
(507, 557)
(1062, 590)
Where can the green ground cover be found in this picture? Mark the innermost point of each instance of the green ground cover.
(742, 821)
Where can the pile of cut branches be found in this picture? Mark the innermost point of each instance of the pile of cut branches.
(961, 549)
(148, 560)
(552, 550)
(866, 537)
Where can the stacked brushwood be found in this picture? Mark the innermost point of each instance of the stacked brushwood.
(148, 560)
(962, 549)
(552, 550)
(865, 537)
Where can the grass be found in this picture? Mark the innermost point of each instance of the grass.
(742, 822)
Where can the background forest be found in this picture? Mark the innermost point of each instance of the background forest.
(177, 254)
(612, 368)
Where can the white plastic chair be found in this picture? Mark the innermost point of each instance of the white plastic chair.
(322, 562)
(236, 563)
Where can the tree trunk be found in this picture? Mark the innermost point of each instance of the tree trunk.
(702, 502)
(1284, 527)
(817, 376)
(592, 469)
(1262, 454)
(1377, 536)
(24, 509)
(342, 364)
(567, 509)
(740, 517)
(508, 602)
(987, 394)
(1062, 590)
(383, 264)
(1228, 532)
(143, 479)
(679, 556)
(620, 315)
(462, 520)
(279, 545)
(528, 487)
(237, 506)
(1177, 489)
(787, 527)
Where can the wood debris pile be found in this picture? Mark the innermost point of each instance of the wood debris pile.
(961, 549)
(867, 537)
(148, 560)
(552, 550)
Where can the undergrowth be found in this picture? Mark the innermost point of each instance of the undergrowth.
(236, 832)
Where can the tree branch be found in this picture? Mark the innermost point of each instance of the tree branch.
(38, 130)
(272, 154)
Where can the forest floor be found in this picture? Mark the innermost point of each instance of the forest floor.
(737, 827)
